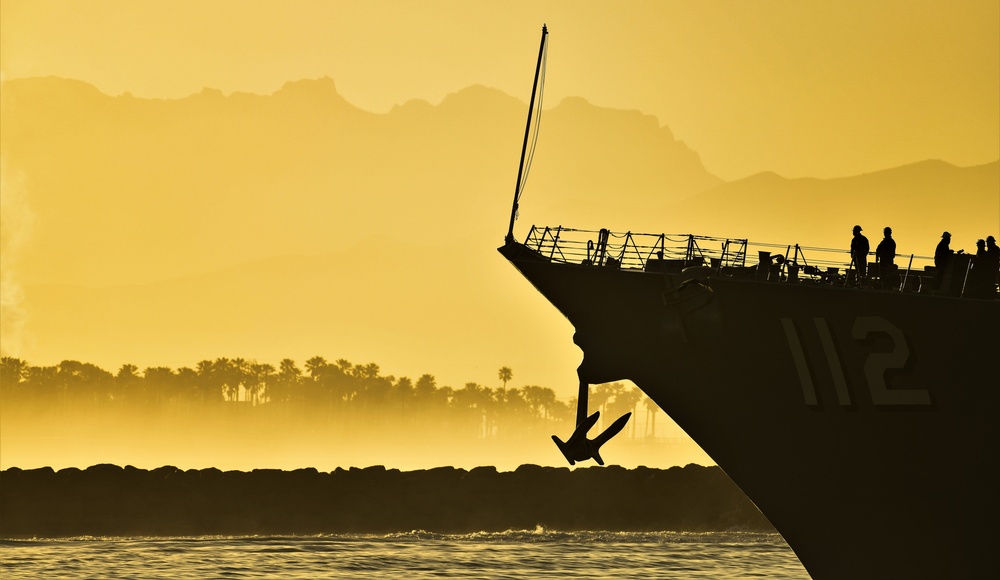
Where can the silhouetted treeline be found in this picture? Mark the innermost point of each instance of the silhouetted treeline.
(107, 500)
(352, 396)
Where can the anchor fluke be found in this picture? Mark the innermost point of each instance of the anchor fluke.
(579, 448)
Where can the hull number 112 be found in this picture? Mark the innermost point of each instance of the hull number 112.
(874, 367)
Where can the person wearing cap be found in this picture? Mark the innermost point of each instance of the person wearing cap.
(885, 255)
(859, 254)
(993, 261)
(981, 255)
(979, 278)
(943, 251)
(942, 256)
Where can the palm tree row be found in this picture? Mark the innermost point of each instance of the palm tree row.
(324, 388)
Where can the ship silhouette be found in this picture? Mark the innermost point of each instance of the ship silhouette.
(857, 413)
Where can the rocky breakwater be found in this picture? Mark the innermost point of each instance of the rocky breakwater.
(108, 500)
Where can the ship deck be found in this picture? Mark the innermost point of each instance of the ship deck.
(742, 258)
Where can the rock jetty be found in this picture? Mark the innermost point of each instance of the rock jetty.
(108, 500)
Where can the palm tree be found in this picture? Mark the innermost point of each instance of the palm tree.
(505, 375)
(598, 398)
(516, 409)
(70, 378)
(651, 409)
(288, 369)
(156, 381)
(259, 376)
(289, 375)
(208, 388)
(127, 373)
(562, 412)
(12, 372)
(242, 373)
(314, 366)
(426, 385)
(344, 365)
(474, 401)
(187, 384)
(440, 399)
(313, 392)
(404, 393)
(127, 376)
(540, 400)
(223, 376)
(375, 391)
(42, 381)
(368, 371)
(424, 391)
(80, 381)
(543, 398)
(625, 401)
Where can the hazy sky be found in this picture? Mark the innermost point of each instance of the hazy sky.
(803, 88)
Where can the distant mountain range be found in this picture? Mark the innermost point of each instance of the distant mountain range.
(131, 190)
(918, 201)
(128, 190)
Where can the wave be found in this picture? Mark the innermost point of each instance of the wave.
(537, 535)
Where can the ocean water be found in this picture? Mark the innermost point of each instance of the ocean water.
(513, 554)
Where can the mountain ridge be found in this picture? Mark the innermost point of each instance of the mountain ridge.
(302, 168)
(918, 200)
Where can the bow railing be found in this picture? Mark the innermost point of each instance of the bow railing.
(724, 256)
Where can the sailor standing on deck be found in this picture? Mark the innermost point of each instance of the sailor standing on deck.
(885, 254)
(993, 263)
(978, 278)
(859, 254)
(942, 256)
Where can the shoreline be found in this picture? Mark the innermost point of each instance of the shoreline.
(108, 500)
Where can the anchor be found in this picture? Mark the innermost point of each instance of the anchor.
(578, 447)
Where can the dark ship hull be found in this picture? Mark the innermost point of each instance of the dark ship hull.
(861, 422)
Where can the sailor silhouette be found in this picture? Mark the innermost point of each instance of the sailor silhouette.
(885, 254)
(993, 252)
(859, 254)
(983, 276)
(942, 258)
(993, 261)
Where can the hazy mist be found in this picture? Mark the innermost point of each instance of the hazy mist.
(241, 414)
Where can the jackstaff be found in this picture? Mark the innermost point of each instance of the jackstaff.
(527, 131)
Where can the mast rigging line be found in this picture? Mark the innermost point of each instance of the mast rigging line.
(519, 187)
(538, 121)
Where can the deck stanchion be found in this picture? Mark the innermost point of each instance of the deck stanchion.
(902, 285)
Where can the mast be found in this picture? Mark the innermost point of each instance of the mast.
(527, 129)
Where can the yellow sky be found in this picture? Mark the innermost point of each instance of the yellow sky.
(803, 88)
